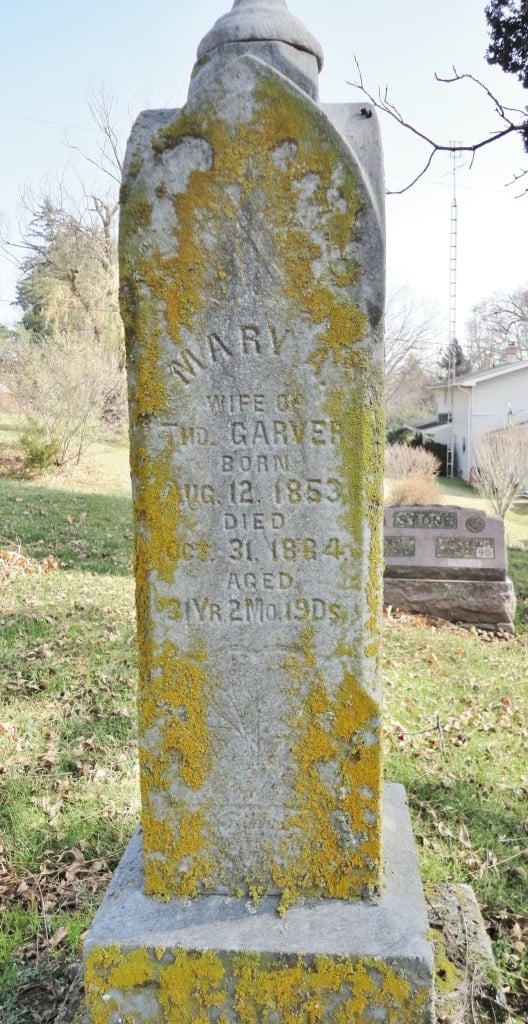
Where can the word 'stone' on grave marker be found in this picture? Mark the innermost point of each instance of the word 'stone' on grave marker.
(252, 282)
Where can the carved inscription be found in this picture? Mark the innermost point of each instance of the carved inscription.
(248, 340)
(475, 524)
(259, 610)
(400, 546)
(465, 547)
(432, 519)
(268, 482)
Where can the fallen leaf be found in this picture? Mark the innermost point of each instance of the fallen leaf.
(463, 835)
(444, 830)
(58, 937)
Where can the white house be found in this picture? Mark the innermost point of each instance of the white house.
(475, 404)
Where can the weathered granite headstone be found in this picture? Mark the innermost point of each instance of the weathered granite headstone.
(268, 883)
(449, 562)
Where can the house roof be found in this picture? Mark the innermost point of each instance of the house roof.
(435, 428)
(470, 380)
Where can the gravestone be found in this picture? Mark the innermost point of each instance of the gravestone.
(449, 562)
(271, 879)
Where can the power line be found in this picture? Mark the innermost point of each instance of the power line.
(447, 184)
(39, 120)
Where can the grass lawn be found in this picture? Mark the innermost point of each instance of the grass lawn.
(455, 733)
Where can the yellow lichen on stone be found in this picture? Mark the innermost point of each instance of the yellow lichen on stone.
(246, 157)
(360, 451)
(172, 693)
(176, 857)
(156, 513)
(191, 986)
(307, 209)
(340, 837)
(448, 976)
(173, 703)
(134, 969)
(147, 384)
(336, 850)
(97, 966)
(251, 988)
(322, 989)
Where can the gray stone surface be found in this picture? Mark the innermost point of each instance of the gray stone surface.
(389, 935)
(298, 66)
(489, 604)
(393, 928)
(252, 244)
(267, 31)
(443, 542)
(468, 985)
(267, 21)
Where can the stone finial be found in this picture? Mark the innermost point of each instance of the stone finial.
(261, 21)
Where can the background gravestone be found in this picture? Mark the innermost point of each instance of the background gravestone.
(252, 276)
(449, 562)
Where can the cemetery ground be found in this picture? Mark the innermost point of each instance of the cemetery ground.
(455, 730)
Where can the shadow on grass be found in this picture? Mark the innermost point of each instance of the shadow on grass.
(90, 532)
(518, 571)
(521, 508)
(451, 486)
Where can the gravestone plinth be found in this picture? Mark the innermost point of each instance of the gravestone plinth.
(449, 562)
(219, 958)
(252, 283)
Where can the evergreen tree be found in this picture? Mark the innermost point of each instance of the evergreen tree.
(454, 351)
(508, 25)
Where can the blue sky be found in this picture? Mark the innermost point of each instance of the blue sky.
(55, 54)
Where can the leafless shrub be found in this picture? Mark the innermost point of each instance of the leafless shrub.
(410, 476)
(65, 389)
(414, 490)
(402, 460)
(501, 471)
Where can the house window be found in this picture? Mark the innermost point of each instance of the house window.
(445, 417)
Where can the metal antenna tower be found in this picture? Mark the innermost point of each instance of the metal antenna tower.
(452, 346)
(453, 245)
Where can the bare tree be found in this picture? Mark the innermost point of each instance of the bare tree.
(68, 283)
(411, 336)
(496, 323)
(67, 252)
(68, 376)
(109, 157)
(501, 472)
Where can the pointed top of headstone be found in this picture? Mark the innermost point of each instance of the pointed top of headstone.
(261, 21)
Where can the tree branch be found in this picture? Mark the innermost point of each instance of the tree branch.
(109, 159)
(383, 103)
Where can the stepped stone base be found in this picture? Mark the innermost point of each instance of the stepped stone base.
(489, 604)
(223, 960)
